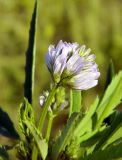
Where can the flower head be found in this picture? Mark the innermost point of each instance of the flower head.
(72, 65)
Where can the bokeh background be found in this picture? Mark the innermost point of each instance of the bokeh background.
(95, 23)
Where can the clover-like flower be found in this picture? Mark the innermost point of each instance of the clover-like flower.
(72, 65)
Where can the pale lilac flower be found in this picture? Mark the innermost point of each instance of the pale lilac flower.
(72, 65)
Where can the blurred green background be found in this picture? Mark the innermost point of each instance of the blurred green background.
(95, 23)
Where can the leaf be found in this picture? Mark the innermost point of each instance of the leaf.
(6, 126)
(66, 134)
(112, 134)
(110, 153)
(75, 101)
(83, 124)
(30, 58)
(91, 139)
(41, 143)
(25, 113)
(111, 99)
(110, 74)
(3, 153)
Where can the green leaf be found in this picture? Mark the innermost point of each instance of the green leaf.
(84, 123)
(110, 153)
(111, 99)
(41, 143)
(75, 101)
(25, 113)
(65, 137)
(91, 139)
(6, 126)
(3, 153)
(112, 134)
(110, 74)
(30, 58)
(23, 150)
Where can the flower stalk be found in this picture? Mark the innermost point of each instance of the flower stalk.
(45, 108)
(49, 125)
(43, 117)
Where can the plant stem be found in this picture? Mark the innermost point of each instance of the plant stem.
(34, 153)
(49, 126)
(45, 108)
(42, 118)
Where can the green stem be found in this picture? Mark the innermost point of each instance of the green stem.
(49, 126)
(71, 102)
(45, 108)
(42, 118)
(34, 153)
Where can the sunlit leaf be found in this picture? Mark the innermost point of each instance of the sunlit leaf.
(84, 122)
(111, 99)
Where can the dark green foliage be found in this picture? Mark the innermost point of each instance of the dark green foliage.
(6, 126)
(110, 153)
(112, 133)
(110, 74)
(3, 153)
(30, 58)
